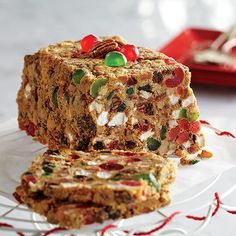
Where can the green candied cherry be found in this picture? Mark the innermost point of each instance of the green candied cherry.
(77, 76)
(193, 162)
(115, 59)
(121, 107)
(48, 169)
(54, 97)
(149, 177)
(193, 116)
(110, 95)
(163, 133)
(153, 144)
(146, 87)
(130, 91)
(96, 85)
(183, 113)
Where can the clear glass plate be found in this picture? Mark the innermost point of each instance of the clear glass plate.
(192, 191)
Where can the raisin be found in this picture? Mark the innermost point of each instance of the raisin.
(146, 108)
(141, 127)
(99, 145)
(146, 87)
(86, 125)
(121, 107)
(113, 214)
(83, 144)
(52, 152)
(123, 197)
(157, 77)
(131, 81)
(130, 144)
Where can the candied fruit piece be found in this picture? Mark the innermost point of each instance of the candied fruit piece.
(173, 133)
(194, 127)
(153, 144)
(115, 59)
(96, 85)
(130, 51)
(182, 137)
(177, 79)
(88, 42)
(77, 76)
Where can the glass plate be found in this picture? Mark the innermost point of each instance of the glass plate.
(192, 191)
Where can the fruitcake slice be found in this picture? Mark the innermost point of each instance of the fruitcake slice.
(75, 215)
(105, 178)
(111, 96)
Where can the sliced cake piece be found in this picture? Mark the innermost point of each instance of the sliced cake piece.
(75, 215)
(103, 178)
(86, 95)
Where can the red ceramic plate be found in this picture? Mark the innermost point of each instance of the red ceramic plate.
(181, 48)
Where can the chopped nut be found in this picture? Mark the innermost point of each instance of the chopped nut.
(157, 77)
(146, 108)
(101, 48)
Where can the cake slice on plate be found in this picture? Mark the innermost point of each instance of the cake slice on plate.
(108, 185)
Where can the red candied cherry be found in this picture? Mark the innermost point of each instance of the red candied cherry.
(74, 156)
(22, 125)
(113, 145)
(191, 149)
(130, 51)
(31, 129)
(169, 61)
(133, 159)
(174, 133)
(183, 124)
(182, 92)
(131, 182)
(111, 166)
(29, 179)
(183, 137)
(88, 42)
(194, 127)
(177, 79)
(17, 197)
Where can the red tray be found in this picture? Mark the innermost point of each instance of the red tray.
(181, 49)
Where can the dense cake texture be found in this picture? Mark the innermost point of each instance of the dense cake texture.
(96, 100)
(75, 215)
(64, 185)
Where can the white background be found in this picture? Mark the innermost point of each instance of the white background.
(27, 25)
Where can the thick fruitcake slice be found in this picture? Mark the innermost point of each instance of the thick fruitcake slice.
(102, 93)
(104, 178)
(75, 215)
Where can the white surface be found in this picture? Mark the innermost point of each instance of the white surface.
(28, 25)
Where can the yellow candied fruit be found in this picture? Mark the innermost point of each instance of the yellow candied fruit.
(205, 154)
